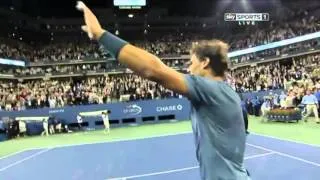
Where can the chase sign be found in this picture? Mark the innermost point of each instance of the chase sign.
(178, 107)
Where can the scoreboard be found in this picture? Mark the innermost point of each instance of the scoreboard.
(129, 4)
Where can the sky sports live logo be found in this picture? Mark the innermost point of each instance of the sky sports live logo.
(246, 16)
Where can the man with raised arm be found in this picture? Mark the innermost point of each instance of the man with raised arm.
(217, 121)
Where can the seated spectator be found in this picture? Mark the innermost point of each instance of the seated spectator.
(57, 125)
(276, 101)
(265, 109)
(282, 99)
(290, 100)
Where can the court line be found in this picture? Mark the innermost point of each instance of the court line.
(15, 153)
(150, 137)
(259, 155)
(122, 140)
(25, 159)
(22, 151)
(155, 174)
(142, 138)
(181, 169)
(285, 155)
(288, 140)
(101, 142)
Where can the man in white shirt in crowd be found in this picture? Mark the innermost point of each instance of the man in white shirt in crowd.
(311, 103)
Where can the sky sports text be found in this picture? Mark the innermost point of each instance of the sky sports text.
(246, 16)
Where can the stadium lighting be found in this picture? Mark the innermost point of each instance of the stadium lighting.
(275, 44)
(130, 15)
(246, 5)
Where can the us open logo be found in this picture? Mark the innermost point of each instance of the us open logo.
(133, 109)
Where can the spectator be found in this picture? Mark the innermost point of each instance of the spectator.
(256, 105)
(317, 94)
(244, 113)
(311, 103)
(265, 108)
(290, 100)
(282, 98)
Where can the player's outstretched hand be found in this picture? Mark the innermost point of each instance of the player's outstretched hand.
(92, 26)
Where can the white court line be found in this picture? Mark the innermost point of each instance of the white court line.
(123, 140)
(25, 159)
(150, 137)
(288, 140)
(159, 136)
(285, 155)
(12, 154)
(22, 151)
(258, 155)
(154, 174)
(101, 142)
(182, 169)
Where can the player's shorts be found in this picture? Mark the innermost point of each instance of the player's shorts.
(106, 123)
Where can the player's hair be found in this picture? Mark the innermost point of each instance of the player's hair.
(216, 51)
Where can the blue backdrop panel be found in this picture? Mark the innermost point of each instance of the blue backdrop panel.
(137, 110)
(260, 94)
(121, 111)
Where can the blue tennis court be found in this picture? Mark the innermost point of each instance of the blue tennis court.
(169, 157)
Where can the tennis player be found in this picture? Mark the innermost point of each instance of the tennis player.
(45, 126)
(105, 118)
(217, 121)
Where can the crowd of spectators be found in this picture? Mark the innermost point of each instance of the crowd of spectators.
(173, 44)
(89, 67)
(28, 94)
(277, 31)
(296, 98)
(52, 52)
(276, 52)
(274, 75)
(69, 91)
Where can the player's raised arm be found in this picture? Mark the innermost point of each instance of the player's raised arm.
(140, 61)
